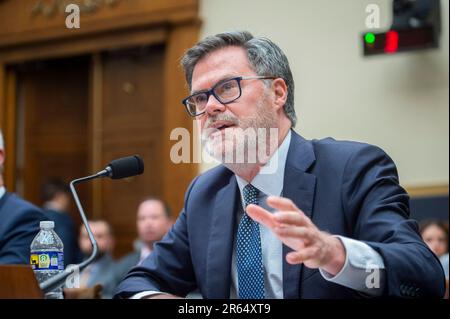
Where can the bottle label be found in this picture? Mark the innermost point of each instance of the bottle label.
(47, 260)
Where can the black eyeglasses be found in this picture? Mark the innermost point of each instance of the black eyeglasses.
(225, 91)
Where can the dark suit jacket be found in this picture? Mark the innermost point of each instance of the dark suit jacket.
(346, 188)
(19, 224)
(127, 262)
(65, 229)
(102, 271)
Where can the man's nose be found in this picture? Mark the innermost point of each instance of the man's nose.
(213, 106)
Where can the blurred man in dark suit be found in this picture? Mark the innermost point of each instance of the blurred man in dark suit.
(153, 221)
(56, 197)
(19, 222)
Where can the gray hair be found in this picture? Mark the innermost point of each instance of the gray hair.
(265, 58)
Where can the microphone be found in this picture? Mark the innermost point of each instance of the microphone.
(123, 167)
(119, 168)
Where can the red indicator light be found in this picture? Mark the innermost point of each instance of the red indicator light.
(391, 45)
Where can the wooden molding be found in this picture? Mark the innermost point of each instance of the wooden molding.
(180, 38)
(19, 26)
(428, 190)
(85, 45)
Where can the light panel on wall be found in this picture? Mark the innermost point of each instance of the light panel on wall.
(416, 25)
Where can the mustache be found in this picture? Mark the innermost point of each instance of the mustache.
(222, 117)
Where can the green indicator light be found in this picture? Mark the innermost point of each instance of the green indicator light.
(369, 37)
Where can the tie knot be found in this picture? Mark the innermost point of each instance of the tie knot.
(250, 194)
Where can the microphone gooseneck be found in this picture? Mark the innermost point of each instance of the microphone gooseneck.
(119, 168)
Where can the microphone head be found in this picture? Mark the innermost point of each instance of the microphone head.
(126, 167)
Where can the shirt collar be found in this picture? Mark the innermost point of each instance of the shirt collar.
(270, 179)
(2, 191)
(145, 251)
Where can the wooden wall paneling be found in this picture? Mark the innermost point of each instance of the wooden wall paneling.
(135, 111)
(95, 130)
(178, 176)
(55, 97)
(2, 95)
(9, 127)
(7, 123)
(132, 124)
(29, 98)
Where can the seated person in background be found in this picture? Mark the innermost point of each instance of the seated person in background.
(56, 197)
(19, 223)
(435, 235)
(153, 220)
(101, 271)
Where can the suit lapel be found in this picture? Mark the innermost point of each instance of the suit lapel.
(299, 186)
(221, 242)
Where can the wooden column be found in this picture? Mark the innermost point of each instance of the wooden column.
(10, 130)
(178, 176)
(8, 123)
(95, 129)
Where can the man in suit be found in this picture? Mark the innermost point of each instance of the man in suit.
(56, 197)
(153, 220)
(102, 270)
(19, 222)
(306, 219)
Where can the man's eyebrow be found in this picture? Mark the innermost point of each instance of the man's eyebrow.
(224, 78)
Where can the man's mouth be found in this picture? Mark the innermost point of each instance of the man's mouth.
(221, 125)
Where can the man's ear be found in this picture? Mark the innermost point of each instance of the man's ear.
(281, 92)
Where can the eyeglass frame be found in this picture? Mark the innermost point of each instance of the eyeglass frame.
(211, 91)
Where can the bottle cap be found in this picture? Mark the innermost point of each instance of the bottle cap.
(47, 224)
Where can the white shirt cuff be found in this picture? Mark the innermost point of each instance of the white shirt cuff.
(144, 294)
(363, 269)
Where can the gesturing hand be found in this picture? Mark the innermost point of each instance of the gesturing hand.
(313, 247)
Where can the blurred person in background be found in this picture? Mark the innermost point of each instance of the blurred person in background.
(19, 222)
(153, 221)
(435, 235)
(102, 269)
(56, 198)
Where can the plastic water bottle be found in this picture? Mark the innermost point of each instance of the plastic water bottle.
(47, 256)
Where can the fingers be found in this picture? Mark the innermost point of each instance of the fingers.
(298, 257)
(292, 218)
(303, 233)
(261, 216)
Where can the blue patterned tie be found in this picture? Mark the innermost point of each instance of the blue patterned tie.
(248, 252)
